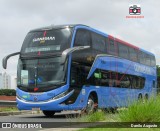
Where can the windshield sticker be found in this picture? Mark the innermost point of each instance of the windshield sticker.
(39, 49)
(43, 39)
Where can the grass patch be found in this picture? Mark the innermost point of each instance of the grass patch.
(8, 109)
(96, 116)
(148, 111)
(120, 129)
(139, 111)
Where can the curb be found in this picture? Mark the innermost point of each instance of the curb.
(17, 113)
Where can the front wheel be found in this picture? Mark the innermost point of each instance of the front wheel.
(91, 105)
(49, 113)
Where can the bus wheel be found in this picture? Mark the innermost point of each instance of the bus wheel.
(140, 97)
(90, 108)
(114, 110)
(110, 110)
(146, 97)
(49, 113)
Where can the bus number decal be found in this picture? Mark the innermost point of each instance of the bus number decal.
(142, 69)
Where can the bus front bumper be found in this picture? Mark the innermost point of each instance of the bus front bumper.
(52, 104)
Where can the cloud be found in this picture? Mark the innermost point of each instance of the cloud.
(18, 17)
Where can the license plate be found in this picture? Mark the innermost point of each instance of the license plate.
(35, 109)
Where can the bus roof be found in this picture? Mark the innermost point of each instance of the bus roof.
(85, 26)
(130, 45)
(56, 27)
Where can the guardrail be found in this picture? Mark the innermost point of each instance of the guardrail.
(8, 103)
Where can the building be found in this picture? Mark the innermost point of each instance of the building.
(6, 81)
(13, 82)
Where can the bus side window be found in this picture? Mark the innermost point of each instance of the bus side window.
(82, 38)
(132, 54)
(148, 60)
(111, 47)
(141, 57)
(123, 50)
(98, 43)
(107, 44)
(153, 62)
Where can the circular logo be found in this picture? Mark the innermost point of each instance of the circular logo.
(35, 98)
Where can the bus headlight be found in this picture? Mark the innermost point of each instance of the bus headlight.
(18, 96)
(60, 95)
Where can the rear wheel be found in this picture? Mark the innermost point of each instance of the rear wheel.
(146, 97)
(49, 113)
(140, 98)
(110, 110)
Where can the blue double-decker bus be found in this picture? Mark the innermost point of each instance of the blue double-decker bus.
(76, 67)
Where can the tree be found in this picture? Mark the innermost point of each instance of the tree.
(158, 77)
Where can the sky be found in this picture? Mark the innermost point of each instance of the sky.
(18, 17)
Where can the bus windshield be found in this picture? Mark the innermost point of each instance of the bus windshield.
(47, 41)
(41, 73)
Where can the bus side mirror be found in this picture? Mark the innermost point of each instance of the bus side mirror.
(68, 51)
(4, 61)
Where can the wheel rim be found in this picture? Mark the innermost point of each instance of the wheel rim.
(90, 106)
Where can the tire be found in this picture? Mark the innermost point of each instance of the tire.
(49, 113)
(140, 97)
(110, 110)
(146, 97)
(90, 108)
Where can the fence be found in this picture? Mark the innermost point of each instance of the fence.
(8, 103)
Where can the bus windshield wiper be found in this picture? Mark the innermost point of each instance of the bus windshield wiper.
(51, 84)
(59, 83)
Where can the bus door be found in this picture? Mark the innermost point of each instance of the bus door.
(78, 77)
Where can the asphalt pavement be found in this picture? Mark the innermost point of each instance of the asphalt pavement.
(66, 116)
(60, 119)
